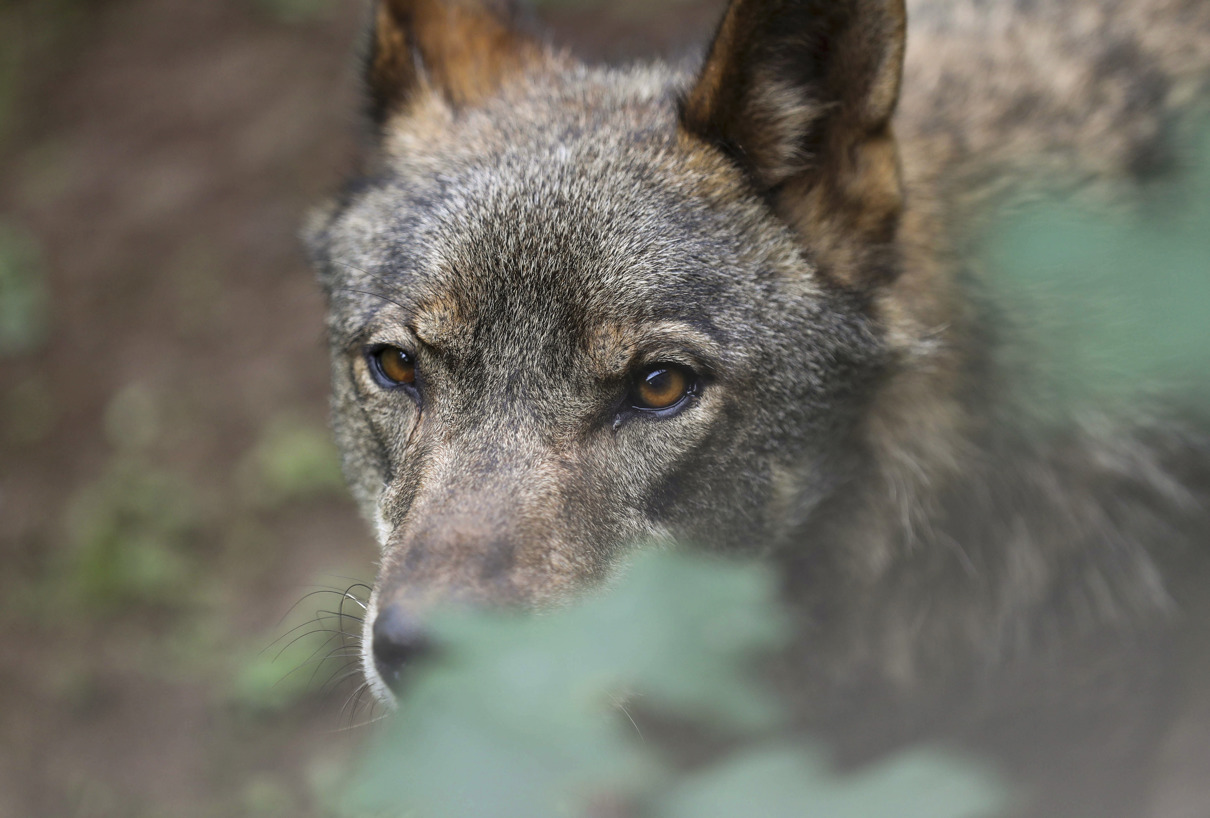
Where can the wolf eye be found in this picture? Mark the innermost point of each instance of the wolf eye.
(392, 367)
(663, 387)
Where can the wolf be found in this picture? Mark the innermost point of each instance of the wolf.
(577, 310)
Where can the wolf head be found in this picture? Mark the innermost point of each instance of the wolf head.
(575, 310)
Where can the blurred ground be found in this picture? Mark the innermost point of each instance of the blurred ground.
(167, 488)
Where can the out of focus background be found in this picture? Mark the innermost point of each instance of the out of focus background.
(168, 490)
(167, 486)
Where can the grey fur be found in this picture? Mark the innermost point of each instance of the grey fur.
(963, 573)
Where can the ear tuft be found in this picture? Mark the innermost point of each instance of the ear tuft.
(801, 94)
(463, 50)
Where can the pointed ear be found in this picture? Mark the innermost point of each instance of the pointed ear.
(461, 49)
(801, 94)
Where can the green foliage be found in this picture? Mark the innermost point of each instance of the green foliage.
(128, 535)
(308, 653)
(783, 781)
(292, 461)
(521, 716)
(133, 419)
(24, 294)
(266, 797)
(1118, 296)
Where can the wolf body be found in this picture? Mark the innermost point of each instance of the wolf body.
(579, 309)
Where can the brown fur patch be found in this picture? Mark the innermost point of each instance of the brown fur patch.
(440, 324)
(462, 50)
(613, 349)
(802, 94)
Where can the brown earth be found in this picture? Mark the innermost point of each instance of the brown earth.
(166, 488)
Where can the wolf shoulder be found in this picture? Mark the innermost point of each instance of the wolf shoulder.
(1083, 87)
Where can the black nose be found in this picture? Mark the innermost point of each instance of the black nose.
(399, 640)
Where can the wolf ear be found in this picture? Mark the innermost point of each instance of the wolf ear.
(801, 93)
(460, 49)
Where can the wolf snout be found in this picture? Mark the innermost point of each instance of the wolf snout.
(399, 639)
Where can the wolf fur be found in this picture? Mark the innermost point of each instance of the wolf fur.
(784, 225)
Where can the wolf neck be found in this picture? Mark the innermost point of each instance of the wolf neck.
(1029, 536)
(1034, 531)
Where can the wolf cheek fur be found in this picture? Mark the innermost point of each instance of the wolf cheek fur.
(534, 237)
(533, 249)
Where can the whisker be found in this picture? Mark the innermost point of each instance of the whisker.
(312, 621)
(357, 583)
(340, 614)
(349, 595)
(353, 700)
(323, 645)
(372, 294)
(334, 653)
(334, 683)
(379, 277)
(622, 707)
(305, 597)
(306, 662)
(351, 659)
(305, 635)
(361, 725)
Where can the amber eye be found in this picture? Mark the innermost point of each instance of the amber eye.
(662, 387)
(392, 366)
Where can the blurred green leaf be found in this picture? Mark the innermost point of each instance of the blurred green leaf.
(133, 418)
(24, 293)
(292, 461)
(789, 782)
(327, 779)
(313, 647)
(297, 664)
(128, 536)
(519, 716)
(455, 761)
(1119, 296)
(521, 712)
(264, 796)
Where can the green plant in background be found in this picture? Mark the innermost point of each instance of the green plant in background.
(274, 678)
(525, 716)
(292, 461)
(787, 781)
(128, 537)
(316, 648)
(130, 532)
(24, 294)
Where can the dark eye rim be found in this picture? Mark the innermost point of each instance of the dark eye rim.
(380, 377)
(634, 403)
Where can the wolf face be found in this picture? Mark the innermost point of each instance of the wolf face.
(577, 310)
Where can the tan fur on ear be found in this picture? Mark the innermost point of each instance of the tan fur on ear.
(801, 94)
(461, 49)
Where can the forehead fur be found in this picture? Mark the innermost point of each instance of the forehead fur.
(573, 196)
